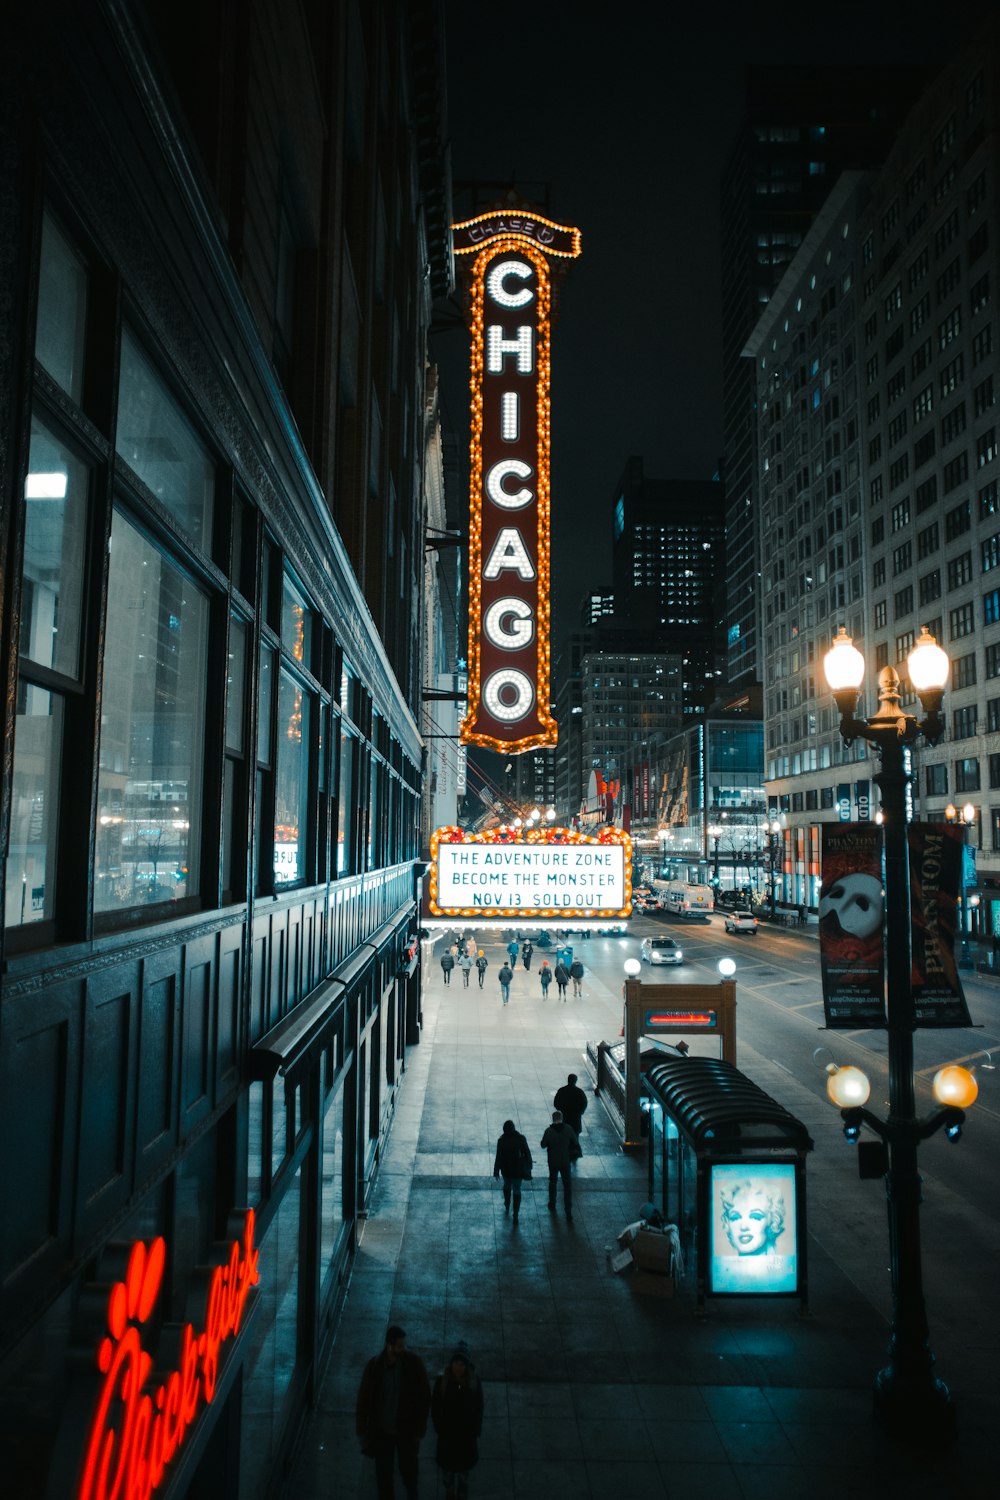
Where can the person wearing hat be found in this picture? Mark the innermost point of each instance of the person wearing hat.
(457, 1414)
(391, 1414)
(482, 964)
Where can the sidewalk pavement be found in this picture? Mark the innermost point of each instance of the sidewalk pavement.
(591, 1388)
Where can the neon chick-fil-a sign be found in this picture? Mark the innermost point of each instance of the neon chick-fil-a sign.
(509, 499)
(140, 1422)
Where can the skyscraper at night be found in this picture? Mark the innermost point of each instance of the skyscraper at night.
(667, 555)
(800, 130)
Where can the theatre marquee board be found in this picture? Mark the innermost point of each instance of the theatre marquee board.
(510, 279)
(547, 873)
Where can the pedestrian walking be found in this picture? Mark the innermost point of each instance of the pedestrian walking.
(465, 964)
(457, 1414)
(576, 974)
(562, 1147)
(545, 978)
(482, 964)
(562, 979)
(393, 1402)
(571, 1101)
(512, 952)
(526, 951)
(447, 964)
(505, 976)
(512, 1162)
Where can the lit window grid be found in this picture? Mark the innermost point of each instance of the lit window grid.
(549, 733)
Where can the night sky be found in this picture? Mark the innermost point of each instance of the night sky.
(630, 129)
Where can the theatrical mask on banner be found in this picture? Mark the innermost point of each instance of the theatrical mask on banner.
(851, 922)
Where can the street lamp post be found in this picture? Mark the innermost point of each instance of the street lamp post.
(715, 834)
(968, 817)
(908, 1397)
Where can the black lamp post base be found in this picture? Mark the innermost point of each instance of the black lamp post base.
(921, 1413)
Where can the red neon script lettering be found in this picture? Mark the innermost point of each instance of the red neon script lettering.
(136, 1431)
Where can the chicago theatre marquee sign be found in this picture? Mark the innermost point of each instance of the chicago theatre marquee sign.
(511, 288)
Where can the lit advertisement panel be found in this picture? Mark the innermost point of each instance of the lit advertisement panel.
(547, 873)
(753, 1230)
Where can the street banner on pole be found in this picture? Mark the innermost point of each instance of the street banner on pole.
(851, 923)
(936, 869)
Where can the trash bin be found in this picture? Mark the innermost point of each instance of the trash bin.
(564, 956)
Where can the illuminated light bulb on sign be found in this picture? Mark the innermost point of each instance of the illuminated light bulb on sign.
(499, 274)
(509, 637)
(519, 684)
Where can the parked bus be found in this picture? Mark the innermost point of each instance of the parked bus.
(683, 899)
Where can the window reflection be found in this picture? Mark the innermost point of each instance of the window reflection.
(62, 311)
(34, 823)
(152, 729)
(56, 495)
(292, 781)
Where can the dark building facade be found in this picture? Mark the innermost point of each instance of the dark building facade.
(222, 231)
(801, 129)
(667, 553)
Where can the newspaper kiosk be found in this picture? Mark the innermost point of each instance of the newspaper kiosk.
(727, 1166)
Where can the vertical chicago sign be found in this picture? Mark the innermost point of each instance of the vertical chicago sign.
(511, 289)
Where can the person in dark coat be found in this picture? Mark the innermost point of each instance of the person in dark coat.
(563, 1148)
(576, 974)
(562, 979)
(571, 1101)
(482, 964)
(394, 1399)
(505, 976)
(457, 1414)
(545, 978)
(447, 964)
(527, 950)
(513, 1162)
(512, 952)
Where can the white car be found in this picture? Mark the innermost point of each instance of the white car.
(741, 921)
(660, 950)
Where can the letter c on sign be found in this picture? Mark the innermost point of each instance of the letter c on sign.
(496, 477)
(498, 275)
(519, 632)
(508, 713)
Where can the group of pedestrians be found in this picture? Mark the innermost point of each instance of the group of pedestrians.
(395, 1397)
(561, 1143)
(465, 956)
(394, 1401)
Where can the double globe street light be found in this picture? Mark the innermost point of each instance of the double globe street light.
(908, 1396)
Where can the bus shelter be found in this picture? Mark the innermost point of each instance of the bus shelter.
(727, 1166)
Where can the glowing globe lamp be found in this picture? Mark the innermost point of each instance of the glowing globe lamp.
(847, 1088)
(956, 1086)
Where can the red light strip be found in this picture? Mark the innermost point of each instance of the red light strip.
(680, 1018)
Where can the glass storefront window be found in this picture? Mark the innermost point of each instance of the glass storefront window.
(264, 706)
(291, 781)
(271, 1363)
(279, 1125)
(296, 621)
(155, 438)
(345, 806)
(234, 683)
(62, 311)
(332, 1192)
(34, 823)
(152, 728)
(56, 501)
(255, 1142)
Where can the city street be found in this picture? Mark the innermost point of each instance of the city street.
(783, 1046)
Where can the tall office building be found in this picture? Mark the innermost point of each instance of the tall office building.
(667, 552)
(877, 377)
(222, 230)
(800, 130)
